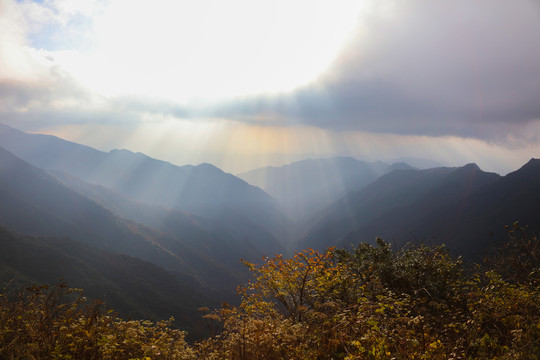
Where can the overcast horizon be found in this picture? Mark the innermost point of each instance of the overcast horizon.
(244, 84)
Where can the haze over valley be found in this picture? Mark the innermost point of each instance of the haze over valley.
(172, 158)
(193, 224)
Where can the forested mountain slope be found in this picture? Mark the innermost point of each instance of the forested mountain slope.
(203, 189)
(35, 203)
(133, 287)
(471, 224)
(218, 239)
(393, 202)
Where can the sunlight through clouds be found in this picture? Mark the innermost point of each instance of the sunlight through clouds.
(206, 50)
(237, 147)
(244, 84)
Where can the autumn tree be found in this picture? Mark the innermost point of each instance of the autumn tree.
(376, 303)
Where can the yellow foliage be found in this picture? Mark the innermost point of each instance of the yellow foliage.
(369, 303)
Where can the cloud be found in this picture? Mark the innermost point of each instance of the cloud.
(469, 69)
(185, 52)
(36, 91)
(30, 79)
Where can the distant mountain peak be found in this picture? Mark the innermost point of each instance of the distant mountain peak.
(208, 165)
(121, 151)
(401, 166)
(467, 170)
(208, 169)
(530, 168)
(471, 166)
(127, 152)
(532, 163)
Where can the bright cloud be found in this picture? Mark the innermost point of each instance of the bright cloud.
(198, 51)
(469, 69)
(241, 83)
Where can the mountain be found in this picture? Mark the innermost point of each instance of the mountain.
(305, 187)
(472, 223)
(33, 202)
(133, 287)
(203, 190)
(418, 163)
(391, 203)
(215, 238)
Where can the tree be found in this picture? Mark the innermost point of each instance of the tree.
(376, 303)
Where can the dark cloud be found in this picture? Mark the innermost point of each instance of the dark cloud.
(428, 68)
(467, 68)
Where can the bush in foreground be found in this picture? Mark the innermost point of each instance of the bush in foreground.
(373, 303)
(56, 322)
(369, 303)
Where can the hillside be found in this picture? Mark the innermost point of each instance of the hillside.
(473, 223)
(204, 189)
(393, 202)
(369, 302)
(464, 208)
(305, 187)
(35, 203)
(218, 239)
(134, 288)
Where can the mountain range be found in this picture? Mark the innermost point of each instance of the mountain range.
(305, 187)
(96, 218)
(203, 189)
(465, 208)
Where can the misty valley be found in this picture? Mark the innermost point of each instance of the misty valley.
(317, 259)
(269, 180)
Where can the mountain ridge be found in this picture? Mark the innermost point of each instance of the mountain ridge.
(135, 288)
(397, 197)
(35, 203)
(307, 186)
(203, 189)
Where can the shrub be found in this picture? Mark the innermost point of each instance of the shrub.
(57, 322)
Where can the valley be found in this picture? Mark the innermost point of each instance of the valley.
(123, 225)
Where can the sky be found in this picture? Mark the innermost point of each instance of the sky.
(243, 84)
